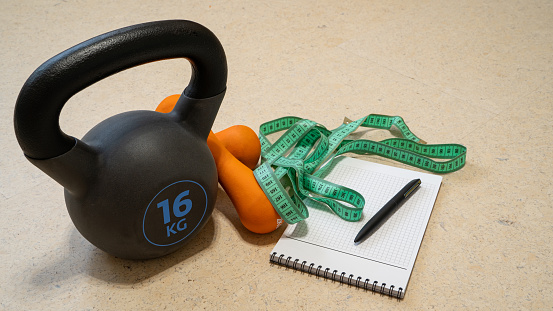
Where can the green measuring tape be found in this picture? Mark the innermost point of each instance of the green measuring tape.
(291, 168)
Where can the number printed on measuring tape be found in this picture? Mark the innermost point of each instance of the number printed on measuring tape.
(292, 167)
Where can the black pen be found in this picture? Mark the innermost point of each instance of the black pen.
(387, 210)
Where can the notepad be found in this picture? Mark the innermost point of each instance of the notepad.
(323, 243)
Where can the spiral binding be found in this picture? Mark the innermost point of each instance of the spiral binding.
(342, 278)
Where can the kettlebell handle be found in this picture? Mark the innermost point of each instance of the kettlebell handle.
(40, 101)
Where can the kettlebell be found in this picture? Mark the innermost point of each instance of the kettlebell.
(139, 184)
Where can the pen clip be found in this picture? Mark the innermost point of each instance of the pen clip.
(412, 189)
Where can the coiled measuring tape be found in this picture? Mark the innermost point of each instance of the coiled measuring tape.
(291, 168)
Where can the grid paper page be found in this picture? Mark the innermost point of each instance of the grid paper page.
(395, 244)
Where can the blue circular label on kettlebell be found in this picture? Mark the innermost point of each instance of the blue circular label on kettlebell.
(174, 213)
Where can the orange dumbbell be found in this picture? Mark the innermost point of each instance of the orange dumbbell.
(236, 151)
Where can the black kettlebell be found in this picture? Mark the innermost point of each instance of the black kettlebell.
(140, 184)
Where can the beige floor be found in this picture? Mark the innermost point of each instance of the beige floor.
(479, 74)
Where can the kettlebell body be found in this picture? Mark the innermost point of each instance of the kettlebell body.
(140, 184)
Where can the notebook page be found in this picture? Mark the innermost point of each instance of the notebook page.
(389, 254)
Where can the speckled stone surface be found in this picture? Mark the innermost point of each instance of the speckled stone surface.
(479, 74)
